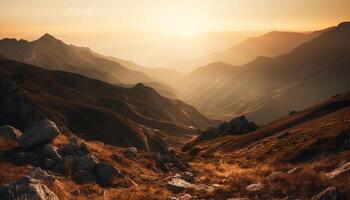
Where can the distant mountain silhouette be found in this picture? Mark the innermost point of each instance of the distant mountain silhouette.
(270, 44)
(267, 88)
(51, 53)
(91, 108)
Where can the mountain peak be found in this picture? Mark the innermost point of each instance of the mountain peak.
(344, 26)
(47, 37)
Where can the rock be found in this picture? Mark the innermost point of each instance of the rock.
(330, 193)
(342, 170)
(178, 185)
(49, 163)
(255, 187)
(204, 189)
(238, 199)
(71, 148)
(9, 138)
(84, 177)
(68, 162)
(75, 192)
(106, 173)
(41, 132)
(49, 151)
(236, 126)
(27, 188)
(39, 174)
(83, 148)
(131, 152)
(187, 176)
(275, 175)
(27, 158)
(86, 162)
(294, 170)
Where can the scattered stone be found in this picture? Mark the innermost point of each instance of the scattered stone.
(49, 151)
(131, 152)
(204, 189)
(71, 148)
(255, 187)
(275, 175)
(86, 162)
(178, 185)
(84, 177)
(27, 188)
(41, 132)
(39, 174)
(9, 138)
(187, 176)
(106, 173)
(294, 170)
(330, 193)
(342, 170)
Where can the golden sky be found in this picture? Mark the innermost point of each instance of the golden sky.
(178, 17)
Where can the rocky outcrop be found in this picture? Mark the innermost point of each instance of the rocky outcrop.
(106, 173)
(237, 126)
(41, 132)
(27, 188)
(9, 138)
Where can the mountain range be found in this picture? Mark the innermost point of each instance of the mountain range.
(91, 108)
(51, 53)
(269, 45)
(267, 88)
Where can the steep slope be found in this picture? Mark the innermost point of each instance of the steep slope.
(319, 132)
(51, 53)
(268, 88)
(270, 44)
(97, 110)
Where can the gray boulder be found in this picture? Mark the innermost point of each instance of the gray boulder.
(9, 138)
(28, 189)
(131, 152)
(106, 173)
(86, 162)
(187, 176)
(49, 151)
(41, 132)
(255, 187)
(330, 193)
(177, 185)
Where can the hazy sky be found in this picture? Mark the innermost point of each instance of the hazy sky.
(178, 17)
